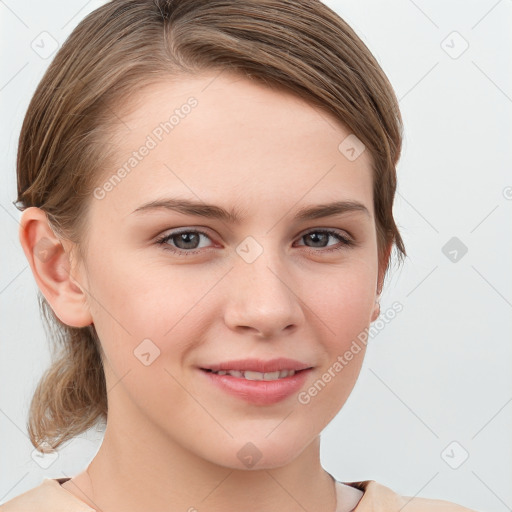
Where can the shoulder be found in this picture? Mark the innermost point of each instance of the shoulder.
(380, 498)
(49, 496)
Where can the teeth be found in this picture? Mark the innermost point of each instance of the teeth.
(249, 375)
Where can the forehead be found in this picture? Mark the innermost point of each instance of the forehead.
(224, 98)
(223, 136)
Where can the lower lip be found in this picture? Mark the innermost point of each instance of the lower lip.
(261, 392)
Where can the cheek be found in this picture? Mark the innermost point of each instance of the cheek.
(134, 302)
(344, 302)
(342, 310)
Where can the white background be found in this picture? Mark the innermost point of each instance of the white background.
(440, 371)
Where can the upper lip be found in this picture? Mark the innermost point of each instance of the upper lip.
(259, 365)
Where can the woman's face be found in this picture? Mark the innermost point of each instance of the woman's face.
(269, 285)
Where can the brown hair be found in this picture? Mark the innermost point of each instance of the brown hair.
(301, 46)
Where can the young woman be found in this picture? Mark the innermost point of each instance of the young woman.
(207, 192)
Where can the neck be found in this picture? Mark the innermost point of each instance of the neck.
(151, 472)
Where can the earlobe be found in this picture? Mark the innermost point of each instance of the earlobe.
(50, 264)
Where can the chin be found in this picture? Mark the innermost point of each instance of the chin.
(256, 454)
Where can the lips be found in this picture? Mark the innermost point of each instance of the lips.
(258, 391)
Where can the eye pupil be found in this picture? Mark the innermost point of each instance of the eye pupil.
(316, 237)
(185, 237)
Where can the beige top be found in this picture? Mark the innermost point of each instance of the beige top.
(50, 496)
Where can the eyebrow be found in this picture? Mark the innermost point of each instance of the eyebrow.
(233, 216)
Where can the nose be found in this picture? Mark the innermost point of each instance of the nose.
(262, 299)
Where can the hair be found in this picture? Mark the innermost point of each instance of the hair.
(300, 46)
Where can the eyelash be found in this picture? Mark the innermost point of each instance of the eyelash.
(346, 242)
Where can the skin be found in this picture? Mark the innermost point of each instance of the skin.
(172, 439)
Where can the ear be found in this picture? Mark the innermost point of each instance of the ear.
(50, 261)
(383, 264)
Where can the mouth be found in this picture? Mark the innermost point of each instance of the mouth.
(253, 375)
(258, 388)
(259, 381)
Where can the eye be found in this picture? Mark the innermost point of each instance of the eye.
(325, 234)
(184, 241)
